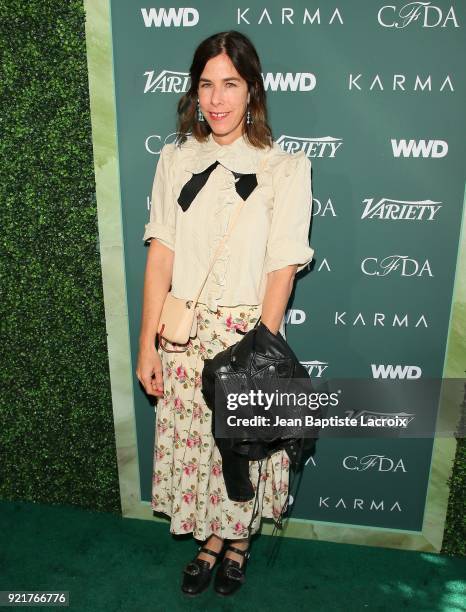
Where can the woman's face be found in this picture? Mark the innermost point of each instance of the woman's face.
(223, 98)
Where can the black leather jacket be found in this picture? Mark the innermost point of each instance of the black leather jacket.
(258, 356)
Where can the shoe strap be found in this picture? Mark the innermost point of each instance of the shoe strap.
(208, 551)
(244, 552)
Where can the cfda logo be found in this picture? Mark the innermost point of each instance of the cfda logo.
(424, 14)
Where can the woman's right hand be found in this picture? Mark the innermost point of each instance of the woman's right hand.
(149, 371)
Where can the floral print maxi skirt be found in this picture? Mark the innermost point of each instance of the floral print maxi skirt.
(188, 484)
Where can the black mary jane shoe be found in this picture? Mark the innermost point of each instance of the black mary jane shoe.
(197, 573)
(230, 574)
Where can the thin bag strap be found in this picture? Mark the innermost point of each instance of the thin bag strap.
(232, 223)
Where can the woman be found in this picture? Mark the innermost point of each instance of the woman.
(229, 154)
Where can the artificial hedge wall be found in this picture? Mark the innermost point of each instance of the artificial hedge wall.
(57, 440)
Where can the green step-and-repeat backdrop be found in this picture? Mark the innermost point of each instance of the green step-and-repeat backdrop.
(374, 93)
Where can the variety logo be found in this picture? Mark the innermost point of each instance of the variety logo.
(397, 84)
(419, 148)
(315, 368)
(399, 210)
(166, 81)
(398, 371)
(289, 81)
(424, 14)
(285, 16)
(176, 17)
(379, 463)
(326, 146)
(358, 503)
(378, 320)
(407, 266)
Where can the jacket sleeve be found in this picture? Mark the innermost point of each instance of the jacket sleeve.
(288, 241)
(162, 217)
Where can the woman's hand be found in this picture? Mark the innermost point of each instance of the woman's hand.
(150, 371)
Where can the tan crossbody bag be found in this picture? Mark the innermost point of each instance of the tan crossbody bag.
(177, 322)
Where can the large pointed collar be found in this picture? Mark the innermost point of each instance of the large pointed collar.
(239, 156)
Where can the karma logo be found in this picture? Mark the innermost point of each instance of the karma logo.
(285, 16)
(399, 82)
(379, 319)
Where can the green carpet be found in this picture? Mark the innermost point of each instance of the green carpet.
(113, 564)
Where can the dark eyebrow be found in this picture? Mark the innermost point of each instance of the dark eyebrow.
(227, 79)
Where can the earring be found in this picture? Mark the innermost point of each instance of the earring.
(248, 117)
(200, 116)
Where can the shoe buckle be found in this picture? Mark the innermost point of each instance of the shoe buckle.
(234, 573)
(192, 569)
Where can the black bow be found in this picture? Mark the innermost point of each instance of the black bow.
(245, 185)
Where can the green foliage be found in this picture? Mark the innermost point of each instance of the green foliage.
(57, 438)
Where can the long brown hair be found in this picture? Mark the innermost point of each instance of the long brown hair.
(244, 57)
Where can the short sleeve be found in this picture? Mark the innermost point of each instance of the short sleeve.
(288, 241)
(162, 217)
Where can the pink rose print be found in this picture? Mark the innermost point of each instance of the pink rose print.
(214, 499)
(216, 469)
(193, 440)
(159, 454)
(181, 373)
(188, 497)
(239, 527)
(176, 437)
(285, 461)
(179, 406)
(197, 381)
(215, 525)
(187, 525)
(157, 479)
(242, 325)
(190, 468)
(197, 411)
(162, 427)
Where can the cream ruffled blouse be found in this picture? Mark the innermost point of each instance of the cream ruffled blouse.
(271, 232)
